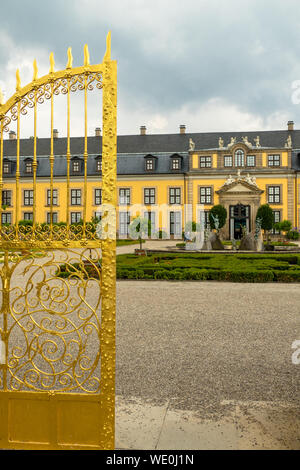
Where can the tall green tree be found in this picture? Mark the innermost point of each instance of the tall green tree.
(265, 214)
(217, 217)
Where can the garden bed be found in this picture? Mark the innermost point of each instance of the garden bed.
(215, 267)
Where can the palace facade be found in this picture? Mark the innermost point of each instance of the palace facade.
(169, 178)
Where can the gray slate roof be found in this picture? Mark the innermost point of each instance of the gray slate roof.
(132, 148)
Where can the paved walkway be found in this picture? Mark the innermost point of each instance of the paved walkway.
(207, 365)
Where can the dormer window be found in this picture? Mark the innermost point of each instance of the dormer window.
(150, 163)
(6, 167)
(99, 164)
(28, 167)
(239, 158)
(76, 165)
(175, 164)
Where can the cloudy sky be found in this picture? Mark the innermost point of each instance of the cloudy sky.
(213, 65)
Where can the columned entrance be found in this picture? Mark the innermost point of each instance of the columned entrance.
(239, 217)
(241, 197)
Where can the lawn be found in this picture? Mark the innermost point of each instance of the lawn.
(217, 267)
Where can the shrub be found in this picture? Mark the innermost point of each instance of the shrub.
(293, 235)
(220, 212)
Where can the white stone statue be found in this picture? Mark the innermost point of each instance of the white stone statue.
(232, 141)
(246, 142)
(192, 145)
(257, 143)
(288, 143)
(230, 180)
(248, 178)
(239, 174)
(221, 143)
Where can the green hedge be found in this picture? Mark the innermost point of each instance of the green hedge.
(225, 267)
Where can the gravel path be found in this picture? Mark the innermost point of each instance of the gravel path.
(199, 343)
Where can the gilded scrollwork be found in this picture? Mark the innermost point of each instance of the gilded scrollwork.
(54, 323)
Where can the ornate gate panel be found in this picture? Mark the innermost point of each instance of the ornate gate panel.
(57, 318)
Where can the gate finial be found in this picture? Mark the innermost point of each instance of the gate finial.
(35, 70)
(70, 58)
(52, 63)
(1, 98)
(18, 84)
(86, 55)
(108, 48)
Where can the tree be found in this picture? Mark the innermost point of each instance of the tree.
(140, 227)
(217, 217)
(283, 226)
(266, 216)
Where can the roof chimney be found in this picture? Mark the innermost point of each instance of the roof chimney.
(182, 129)
(143, 130)
(12, 135)
(290, 125)
(55, 134)
(97, 131)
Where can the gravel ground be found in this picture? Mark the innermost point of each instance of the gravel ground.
(198, 343)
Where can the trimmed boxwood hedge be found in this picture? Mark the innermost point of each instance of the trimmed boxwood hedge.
(179, 267)
(225, 267)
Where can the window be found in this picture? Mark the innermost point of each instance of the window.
(250, 160)
(99, 164)
(205, 195)
(54, 217)
(274, 160)
(205, 162)
(98, 215)
(276, 215)
(274, 194)
(75, 217)
(149, 164)
(76, 166)
(239, 158)
(98, 197)
(54, 197)
(6, 217)
(149, 196)
(175, 195)
(124, 222)
(28, 215)
(175, 223)
(204, 219)
(76, 197)
(28, 167)
(175, 164)
(124, 196)
(227, 160)
(150, 216)
(28, 197)
(6, 198)
(6, 167)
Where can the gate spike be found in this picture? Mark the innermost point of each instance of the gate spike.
(35, 70)
(18, 84)
(52, 63)
(70, 58)
(86, 55)
(1, 98)
(108, 47)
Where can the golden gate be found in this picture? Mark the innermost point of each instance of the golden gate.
(57, 318)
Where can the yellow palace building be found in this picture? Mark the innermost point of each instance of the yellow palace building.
(169, 178)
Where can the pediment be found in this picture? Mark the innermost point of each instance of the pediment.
(240, 186)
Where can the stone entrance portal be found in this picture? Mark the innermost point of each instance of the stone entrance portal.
(241, 196)
(239, 217)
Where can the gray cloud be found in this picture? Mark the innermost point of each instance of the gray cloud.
(175, 55)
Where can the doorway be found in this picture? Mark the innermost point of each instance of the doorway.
(239, 218)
